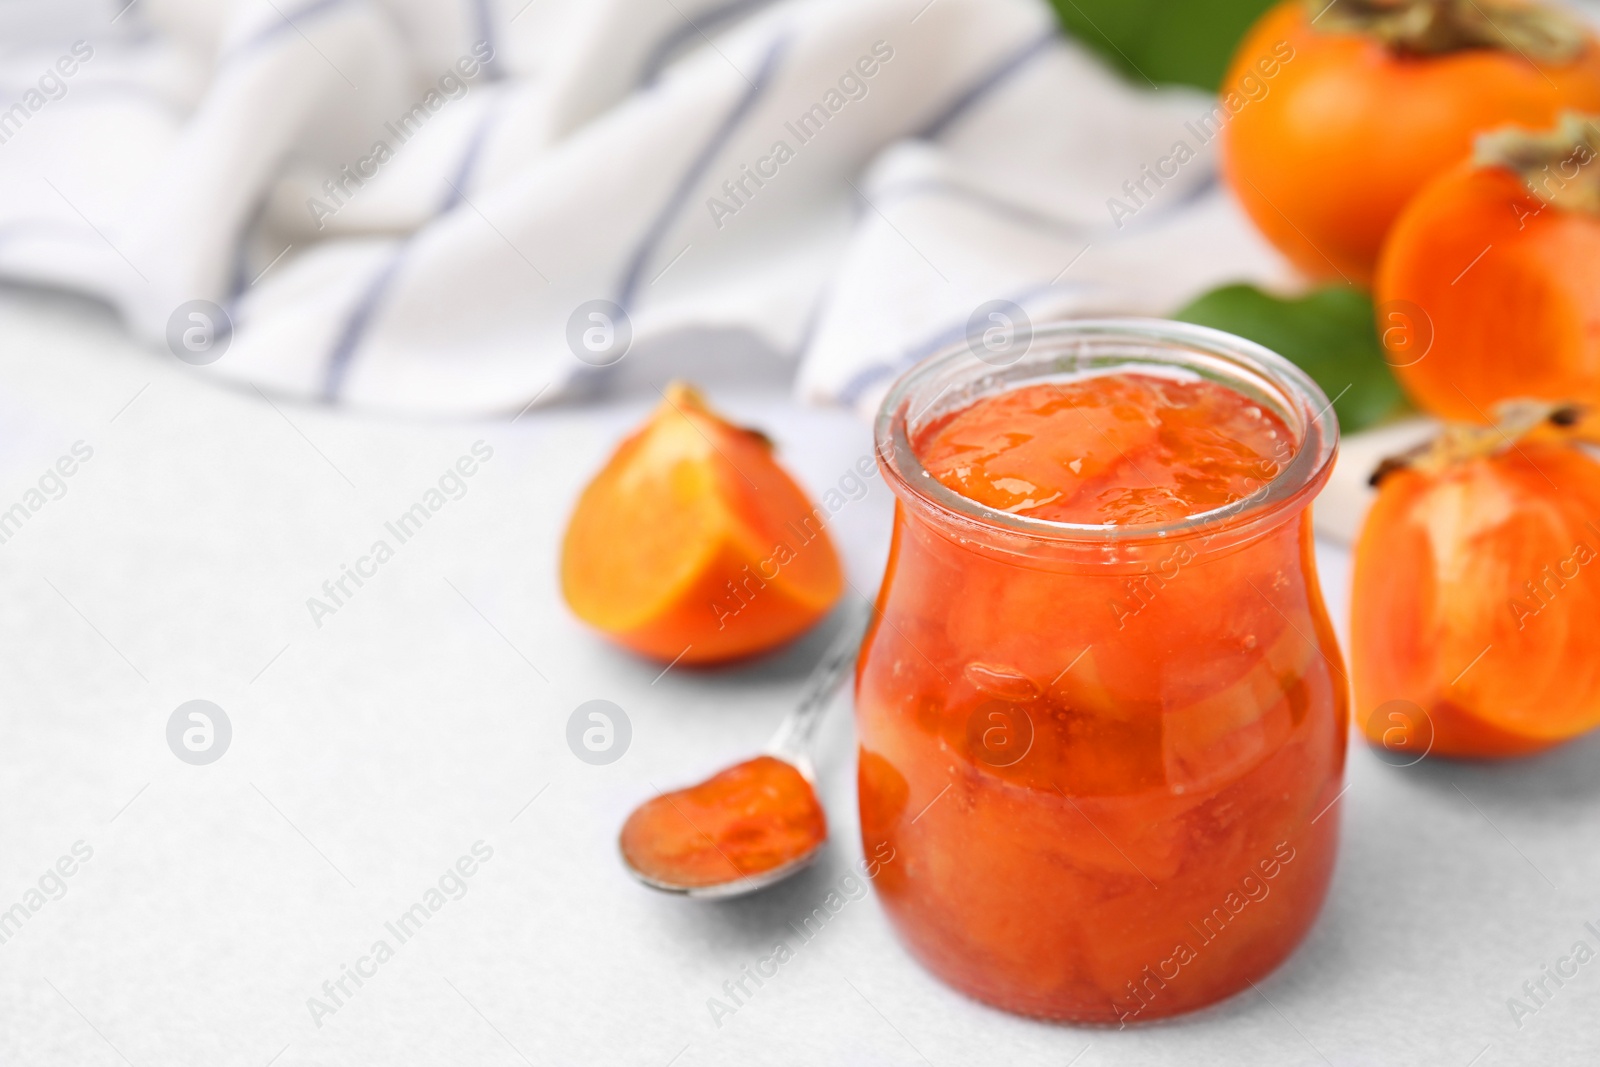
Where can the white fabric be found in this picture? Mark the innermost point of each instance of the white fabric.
(181, 161)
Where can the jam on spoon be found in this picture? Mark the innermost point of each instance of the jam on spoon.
(754, 824)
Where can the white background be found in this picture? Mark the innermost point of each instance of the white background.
(369, 754)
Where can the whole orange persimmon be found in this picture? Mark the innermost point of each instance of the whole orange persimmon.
(693, 545)
(1498, 264)
(1370, 99)
(1476, 590)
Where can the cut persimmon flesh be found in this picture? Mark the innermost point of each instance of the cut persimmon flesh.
(693, 545)
(1475, 590)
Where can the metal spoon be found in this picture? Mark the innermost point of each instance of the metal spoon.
(791, 745)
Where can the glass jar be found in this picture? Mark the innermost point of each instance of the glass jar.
(1106, 760)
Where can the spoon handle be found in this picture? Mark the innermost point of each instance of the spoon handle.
(793, 738)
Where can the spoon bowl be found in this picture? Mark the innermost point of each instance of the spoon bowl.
(740, 830)
(750, 826)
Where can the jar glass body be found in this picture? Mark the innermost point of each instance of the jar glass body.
(1106, 761)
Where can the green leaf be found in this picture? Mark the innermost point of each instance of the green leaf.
(1182, 42)
(1329, 333)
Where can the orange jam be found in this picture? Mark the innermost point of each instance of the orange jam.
(1115, 450)
(1107, 756)
(752, 818)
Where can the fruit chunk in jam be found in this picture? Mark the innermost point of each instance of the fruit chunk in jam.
(1109, 785)
(1118, 449)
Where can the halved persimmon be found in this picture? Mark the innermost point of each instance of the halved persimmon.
(1341, 112)
(1498, 263)
(693, 545)
(1476, 587)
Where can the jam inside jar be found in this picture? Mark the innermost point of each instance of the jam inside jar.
(1101, 708)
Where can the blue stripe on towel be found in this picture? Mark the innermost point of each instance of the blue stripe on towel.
(469, 160)
(359, 321)
(697, 168)
(997, 76)
(667, 48)
(486, 34)
(241, 259)
(360, 318)
(285, 24)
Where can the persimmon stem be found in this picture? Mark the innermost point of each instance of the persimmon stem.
(1459, 443)
(1555, 165)
(1438, 27)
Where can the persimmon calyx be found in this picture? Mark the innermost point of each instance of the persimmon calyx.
(1573, 185)
(1518, 420)
(1438, 27)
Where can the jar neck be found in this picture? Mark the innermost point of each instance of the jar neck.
(1090, 556)
(954, 379)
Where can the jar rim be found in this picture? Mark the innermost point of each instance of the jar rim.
(1079, 348)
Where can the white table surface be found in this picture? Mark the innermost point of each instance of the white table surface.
(371, 753)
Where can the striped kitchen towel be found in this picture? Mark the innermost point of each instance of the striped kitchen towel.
(468, 205)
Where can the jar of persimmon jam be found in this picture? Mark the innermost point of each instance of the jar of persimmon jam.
(1101, 707)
